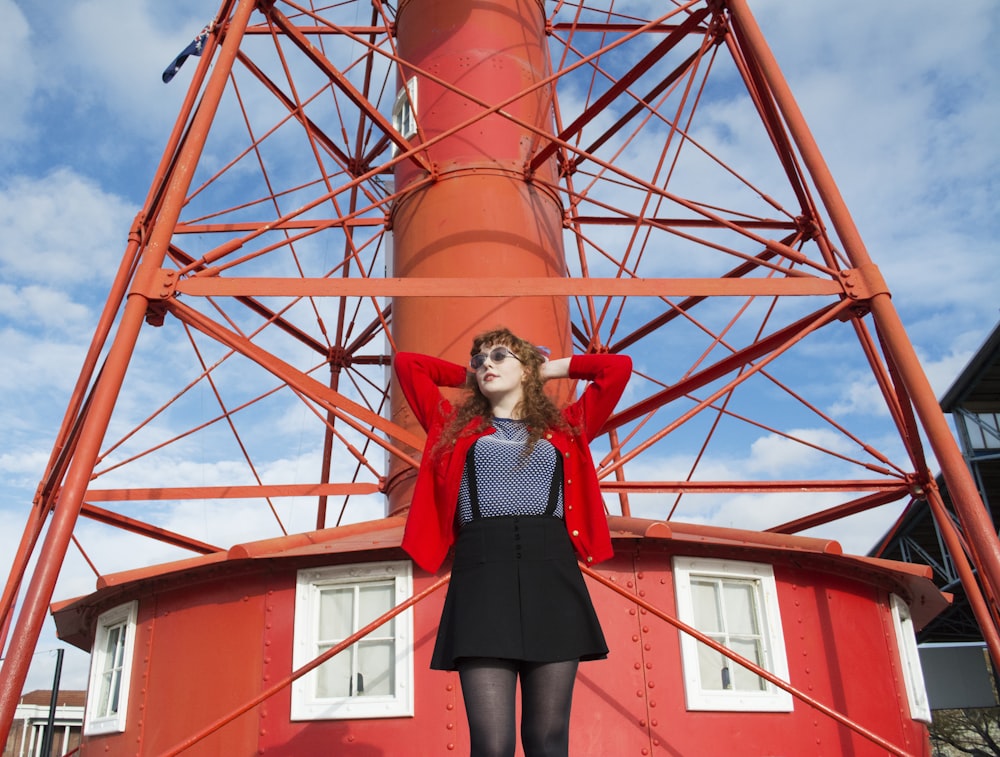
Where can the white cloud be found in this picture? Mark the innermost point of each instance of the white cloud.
(787, 456)
(41, 364)
(61, 227)
(42, 306)
(859, 396)
(17, 72)
(119, 49)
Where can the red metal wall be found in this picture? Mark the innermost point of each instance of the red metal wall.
(198, 655)
(204, 649)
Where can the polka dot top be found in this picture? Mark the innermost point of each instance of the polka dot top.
(507, 482)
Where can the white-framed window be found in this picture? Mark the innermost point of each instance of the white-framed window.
(909, 658)
(404, 110)
(111, 670)
(736, 604)
(373, 678)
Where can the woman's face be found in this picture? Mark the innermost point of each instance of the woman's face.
(499, 379)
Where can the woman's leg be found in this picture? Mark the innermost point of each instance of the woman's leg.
(546, 700)
(488, 688)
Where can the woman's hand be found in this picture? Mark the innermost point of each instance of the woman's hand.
(553, 369)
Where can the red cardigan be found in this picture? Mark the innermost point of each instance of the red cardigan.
(430, 525)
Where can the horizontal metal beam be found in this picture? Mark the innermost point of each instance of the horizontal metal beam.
(893, 486)
(229, 492)
(798, 286)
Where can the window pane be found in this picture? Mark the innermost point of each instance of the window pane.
(991, 430)
(377, 599)
(333, 678)
(105, 696)
(114, 651)
(372, 677)
(704, 596)
(711, 665)
(377, 668)
(744, 679)
(116, 690)
(336, 613)
(741, 611)
(375, 659)
(111, 648)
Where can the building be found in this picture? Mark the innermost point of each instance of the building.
(32, 716)
(958, 672)
(218, 654)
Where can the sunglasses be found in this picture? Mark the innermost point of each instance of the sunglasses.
(496, 355)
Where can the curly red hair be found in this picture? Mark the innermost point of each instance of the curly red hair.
(536, 408)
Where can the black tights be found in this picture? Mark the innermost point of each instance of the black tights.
(488, 687)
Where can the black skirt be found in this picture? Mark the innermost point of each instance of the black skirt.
(517, 593)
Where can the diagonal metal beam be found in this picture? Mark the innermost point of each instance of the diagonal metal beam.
(599, 106)
(728, 365)
(337, 77)
(355, 415)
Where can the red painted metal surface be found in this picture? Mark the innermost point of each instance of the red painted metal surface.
(629, 703)
(559, 183)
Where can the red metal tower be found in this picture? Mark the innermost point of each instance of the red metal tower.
(350, 180)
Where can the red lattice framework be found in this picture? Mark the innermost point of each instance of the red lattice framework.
(242, 357)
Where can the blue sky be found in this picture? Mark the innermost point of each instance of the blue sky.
(903, 104)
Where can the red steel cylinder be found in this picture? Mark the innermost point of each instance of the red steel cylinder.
(474, 72)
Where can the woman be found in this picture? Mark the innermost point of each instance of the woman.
(512, 476)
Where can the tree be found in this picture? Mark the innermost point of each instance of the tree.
(975, 732)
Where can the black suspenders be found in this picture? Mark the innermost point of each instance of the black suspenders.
(470, 466)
